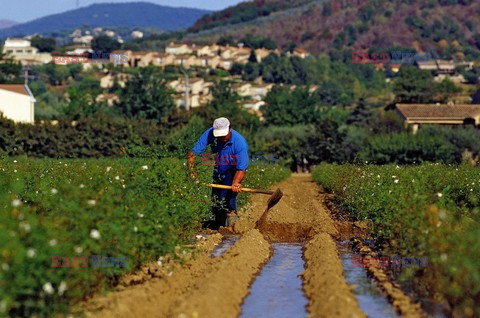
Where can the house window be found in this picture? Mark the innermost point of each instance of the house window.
(19, 51)
(10, 51)
(29, 51)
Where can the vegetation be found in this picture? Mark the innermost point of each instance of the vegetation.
(429, 210)
(138, 209)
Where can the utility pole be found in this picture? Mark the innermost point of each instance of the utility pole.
(187, 89)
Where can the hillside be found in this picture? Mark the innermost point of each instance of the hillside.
(448, 26)
(133, 14)
(6, 23)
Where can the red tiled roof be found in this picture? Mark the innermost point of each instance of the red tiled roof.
(16, 88)
(432, 111)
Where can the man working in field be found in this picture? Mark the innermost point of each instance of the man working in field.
(231, 161)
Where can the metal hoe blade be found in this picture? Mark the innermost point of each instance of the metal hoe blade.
(274, 198)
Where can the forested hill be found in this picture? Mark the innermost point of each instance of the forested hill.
(452, 26)
(131, 14)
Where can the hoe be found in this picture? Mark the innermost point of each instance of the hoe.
(275, 196)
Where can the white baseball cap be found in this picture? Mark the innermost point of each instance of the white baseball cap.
(221, 127)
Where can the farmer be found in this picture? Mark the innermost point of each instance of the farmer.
(231, 161)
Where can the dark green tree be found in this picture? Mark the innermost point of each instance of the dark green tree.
(413, 86)
(44, 44)
(146, 96)
(104, 44)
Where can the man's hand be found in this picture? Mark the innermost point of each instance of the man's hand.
(237, 187)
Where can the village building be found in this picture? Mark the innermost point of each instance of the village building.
(163, 59)
(253, 104)
(415, 115)
(17, 103)
(178, 49)
(22, 51)
(109, 99)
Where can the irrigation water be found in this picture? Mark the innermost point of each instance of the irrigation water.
(370, 299)
(227, 242)
(277, 290)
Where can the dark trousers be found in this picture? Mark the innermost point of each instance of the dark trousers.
(223, 200)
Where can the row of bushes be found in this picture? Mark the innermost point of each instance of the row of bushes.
(429, 210)
(136, 209)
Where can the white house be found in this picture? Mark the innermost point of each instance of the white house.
(17, 103)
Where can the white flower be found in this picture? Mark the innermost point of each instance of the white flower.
(53, 242)
(5, 267)
(92, 202)
(117, 178)
(160, 261)
(439, 194)
(135, 229)
(62, 288)
(95, 234)
(14, 161)
(81, 186)
(396, 180)
(31, 253)
(3, 306)
(378, 176)
(48, 288)
(109, 168)
(140, 215)
(16, 203)
(25, 226)
(15, 170)
(144, 167)
(444, 257)
(54, 191)
(78, 249)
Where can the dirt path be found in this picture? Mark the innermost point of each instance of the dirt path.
(216, 287)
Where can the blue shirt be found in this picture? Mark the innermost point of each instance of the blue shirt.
(233, 154)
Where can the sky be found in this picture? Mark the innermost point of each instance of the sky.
(27, 10)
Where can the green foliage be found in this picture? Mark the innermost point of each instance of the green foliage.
(44, 44)
(413, 86)
(290, 108)
(105, 44)
(137, 208)
(86, 137)
(430, 210)
(226, 103)
(257, 42)
(406, 148)
(146, 96)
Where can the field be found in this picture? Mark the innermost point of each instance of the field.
(130, 209)
(428, 210)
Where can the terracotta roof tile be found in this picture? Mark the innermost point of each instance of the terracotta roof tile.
(17, 88)
(460, 111)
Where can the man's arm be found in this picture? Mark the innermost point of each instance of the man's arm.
(237, 179)
(200, 146)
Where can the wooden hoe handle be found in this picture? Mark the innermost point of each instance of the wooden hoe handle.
(221, 186)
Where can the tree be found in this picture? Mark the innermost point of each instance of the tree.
(146, 96)
(361, 114)
(225, 103)
(44, 44)
(104, 44)
(288, 108)
(413, 86)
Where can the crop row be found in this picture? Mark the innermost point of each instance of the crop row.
(429, 210)
(120, 213)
